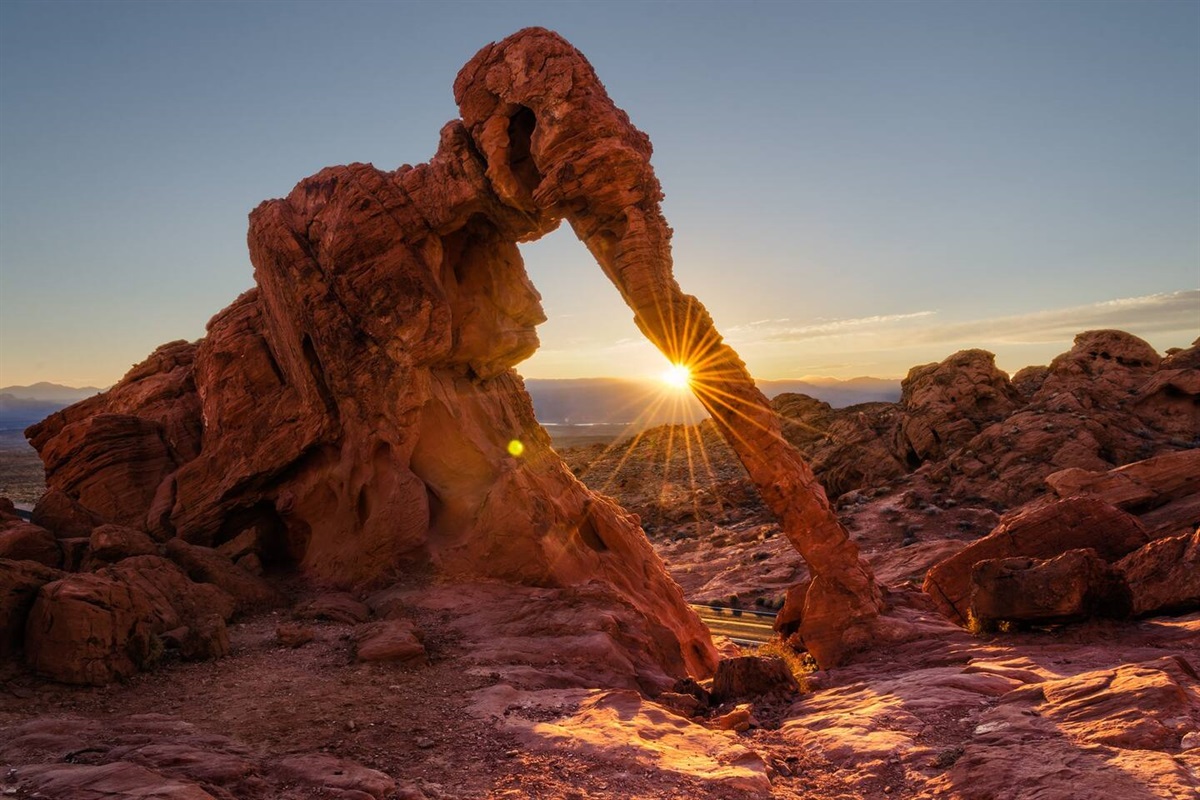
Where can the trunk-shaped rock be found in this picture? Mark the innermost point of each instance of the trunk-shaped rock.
(557, 148)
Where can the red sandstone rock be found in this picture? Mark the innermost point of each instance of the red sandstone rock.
(335, 606)
(116, 542)
(111, 463)
(205, 565)
(848, 448)
(64, 515)
(389, 640)
(787, 621)
(324, 772)
(293, 635)
(24, 541)
(246, 543)
(111, 452)
(1104, 733)
(750, 677)
(87, 629)
(171, 599)
(19, 585)
(1084, 414)
(948, 403)
(76, 552)
(1138, 487)
(118, 780)
(1043, 532)
(1164, 576)
(358, 405)
(1073, 586)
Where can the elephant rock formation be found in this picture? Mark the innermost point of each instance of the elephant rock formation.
(358, 410)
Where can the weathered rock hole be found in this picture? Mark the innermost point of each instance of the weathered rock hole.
(520, 144)
(362, 507)
(591, 536)
(278, 547)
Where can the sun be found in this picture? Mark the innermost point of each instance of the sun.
(679, 376)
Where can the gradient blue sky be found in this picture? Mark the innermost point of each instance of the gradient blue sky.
(855, 187)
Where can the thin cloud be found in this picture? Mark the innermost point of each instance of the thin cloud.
(820, 330)
(1149, 314)
(1154, 313)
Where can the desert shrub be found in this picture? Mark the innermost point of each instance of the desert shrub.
(800, 665)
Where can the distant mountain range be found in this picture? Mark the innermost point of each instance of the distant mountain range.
(21, 406)
(578, 401)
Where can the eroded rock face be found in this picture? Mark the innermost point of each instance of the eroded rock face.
(950, 402)
(1106, 402)
(969, 432)
(1164, 576)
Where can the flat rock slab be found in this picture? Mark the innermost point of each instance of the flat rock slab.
(624, 728)
(119, 780)
(321, 772)
(335, 607)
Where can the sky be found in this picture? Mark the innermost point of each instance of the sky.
(855, 187)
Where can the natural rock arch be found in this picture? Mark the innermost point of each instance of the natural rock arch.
(359, 403)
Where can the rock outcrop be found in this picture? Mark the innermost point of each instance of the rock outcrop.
(947, 404)
(1073, 586)
(1104, 403)
(358, 409)
(1164, 576)
(1116, 543)
(1040, 533)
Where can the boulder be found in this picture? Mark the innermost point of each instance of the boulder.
(389, 640)
(64, 515)
(336, 607)
(115, 542)
(204, 639)
(24, 541)
(738, 719)
(293, 635)
(787, 621)
(19, 585)
(112, 452)
(1042, 532)
(88, 629)
(174, 599)
(205, 565)
(1138, 487)
(111, 463)
(77, 551)
(246, 543)
(324, 774)
(750, 677)
(1164, 576)
(1073, 586)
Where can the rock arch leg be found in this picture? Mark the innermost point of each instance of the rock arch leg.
(594, 170)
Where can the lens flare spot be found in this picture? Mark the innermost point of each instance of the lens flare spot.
(516, 448)
(679, 376)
